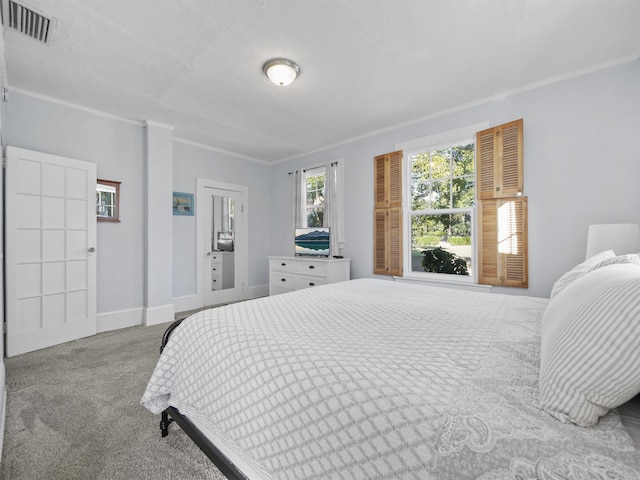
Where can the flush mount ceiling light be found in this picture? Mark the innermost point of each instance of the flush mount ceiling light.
(281, 71)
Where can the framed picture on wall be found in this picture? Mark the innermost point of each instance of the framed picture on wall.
(183, 203)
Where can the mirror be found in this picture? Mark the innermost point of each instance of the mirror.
(222, 243)
(107, 201)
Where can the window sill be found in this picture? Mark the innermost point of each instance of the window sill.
(450, 282)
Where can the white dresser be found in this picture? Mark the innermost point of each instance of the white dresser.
(222, 270)
(289, 273)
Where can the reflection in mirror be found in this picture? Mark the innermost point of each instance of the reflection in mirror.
(107, 201)
(222, 243)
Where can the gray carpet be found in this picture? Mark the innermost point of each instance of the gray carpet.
(73, 412)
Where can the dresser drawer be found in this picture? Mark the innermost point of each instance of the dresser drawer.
(309, 281)
(283, 265)
(284, 280)
(216, 258)
(312, 267)
(216, 282)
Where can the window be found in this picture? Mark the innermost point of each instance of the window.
(318, 200)
(107, 201)
(314, 195)
(442, 183)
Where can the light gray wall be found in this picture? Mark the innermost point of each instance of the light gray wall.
(192, 162)
(117, 148)
(582, 165)
(582, 162)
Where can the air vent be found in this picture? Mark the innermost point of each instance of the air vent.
(28, 21)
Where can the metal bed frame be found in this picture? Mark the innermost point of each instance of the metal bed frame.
(171, 414)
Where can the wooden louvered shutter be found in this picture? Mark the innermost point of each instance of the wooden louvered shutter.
(503, 245)
(502, 210)
(485, 163)
(500, 161)
(388, 214)
(380, 241)
(394, 241)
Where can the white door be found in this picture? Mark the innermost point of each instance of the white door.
(50, 250)
(224, 246)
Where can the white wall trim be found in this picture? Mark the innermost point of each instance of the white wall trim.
(93, 111)
(157, 315)
(151, 123)
(256, 291)
(445, 283)
(218, 150)
(3, 405)
(441, 139)
(187, 302)
(117, 319)
(465, 106)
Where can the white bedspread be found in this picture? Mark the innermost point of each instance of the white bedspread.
(371, 379)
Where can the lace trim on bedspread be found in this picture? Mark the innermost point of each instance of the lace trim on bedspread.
(499, 410)
(564, 466)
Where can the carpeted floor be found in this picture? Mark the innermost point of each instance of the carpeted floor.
(73, 412)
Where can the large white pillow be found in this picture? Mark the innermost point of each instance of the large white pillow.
(600, 260)
(590, 350)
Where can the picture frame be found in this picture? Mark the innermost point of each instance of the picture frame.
(183, 204)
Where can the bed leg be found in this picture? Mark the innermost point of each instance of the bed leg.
(164, 423)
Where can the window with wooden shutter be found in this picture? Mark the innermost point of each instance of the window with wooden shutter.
(502, 246)
(502, 210)
(388, 214)
(500, 161)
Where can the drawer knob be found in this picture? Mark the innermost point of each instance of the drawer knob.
(311, 267)
(283, 279)
(283, 264)
(311, 284)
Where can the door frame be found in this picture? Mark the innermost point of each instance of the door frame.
(241, 245)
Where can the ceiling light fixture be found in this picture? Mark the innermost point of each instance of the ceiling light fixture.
(281, 71)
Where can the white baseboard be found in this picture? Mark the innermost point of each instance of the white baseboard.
(3, 406)
(120, 319)
(188, 302)
(256, 291)
(158, 315)
(193, 302)
(134, 317)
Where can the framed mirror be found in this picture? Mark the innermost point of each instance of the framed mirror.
(107, 201)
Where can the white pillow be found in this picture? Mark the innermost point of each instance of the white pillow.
(597, 261)
(598, 257)
(590, 350)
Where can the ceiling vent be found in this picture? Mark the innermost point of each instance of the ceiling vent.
(28, 21)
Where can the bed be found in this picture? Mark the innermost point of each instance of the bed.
(376, 379)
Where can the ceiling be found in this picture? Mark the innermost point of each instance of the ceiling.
(366, 65)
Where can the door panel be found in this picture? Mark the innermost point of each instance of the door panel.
(50, 240)
(223, 278)
(213, 240)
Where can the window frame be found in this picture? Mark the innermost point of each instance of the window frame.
(335, 165)
(110, 184)
(439, 141)
(305, 206)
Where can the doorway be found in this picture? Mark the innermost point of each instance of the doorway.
(50, 250)
(222, 243)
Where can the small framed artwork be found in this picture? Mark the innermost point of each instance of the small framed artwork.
(182, 203)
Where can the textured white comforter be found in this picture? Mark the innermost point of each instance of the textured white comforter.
(371, 379)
